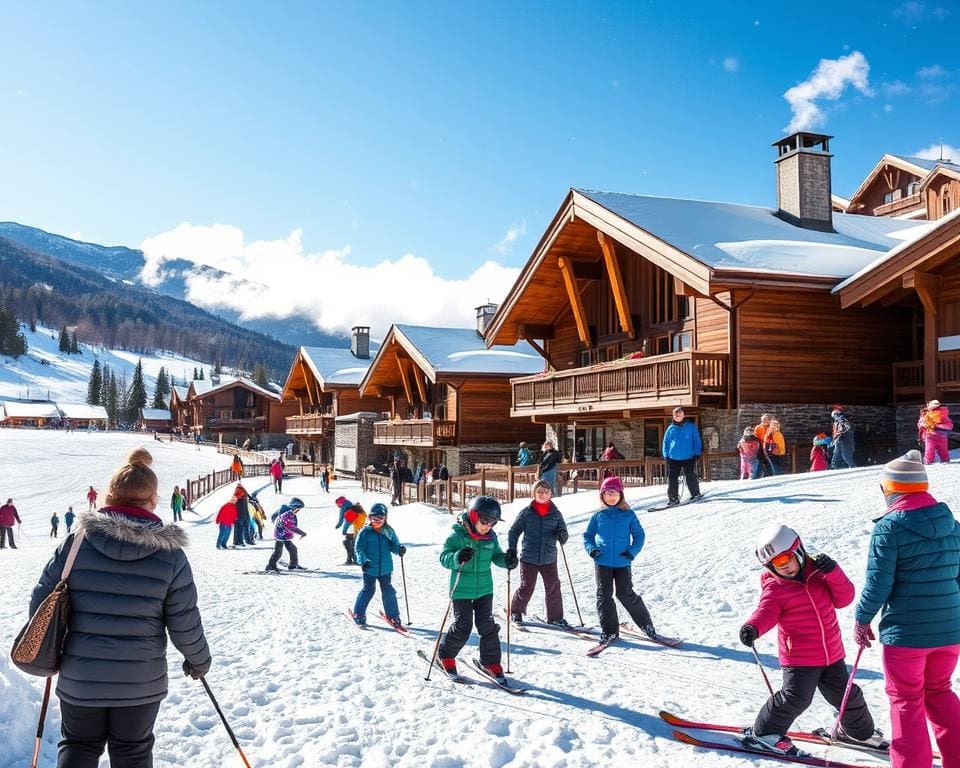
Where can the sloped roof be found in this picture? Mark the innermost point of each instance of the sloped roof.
(83, 411)
(336, 366)
(204, 387)
(463, 351)
(927, 165)
(30, 410)
(155, 414)
(182, 392)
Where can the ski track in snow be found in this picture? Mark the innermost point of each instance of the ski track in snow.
(302, 687)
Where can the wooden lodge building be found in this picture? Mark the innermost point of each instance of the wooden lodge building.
(640, 303)
(449, 395)
(908, 188)
(324, 383)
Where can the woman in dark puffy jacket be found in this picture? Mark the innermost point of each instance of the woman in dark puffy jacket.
(131, 585)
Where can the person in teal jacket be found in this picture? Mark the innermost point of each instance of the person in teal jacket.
(614, 537)
(913, 569)
(373, 546)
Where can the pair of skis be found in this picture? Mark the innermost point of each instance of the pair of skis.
(478, 668)
(385, 619)
(699, 498)
(626, 628)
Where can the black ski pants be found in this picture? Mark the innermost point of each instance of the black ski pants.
(799, 686)
(127, 733)
(528, 583)
(278, 550)
(466, 613)
(8, 531)
(618, 581)
(674, 468)
(348, 545)
(241, 531)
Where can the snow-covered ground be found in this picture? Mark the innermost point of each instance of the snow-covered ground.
(302, 687)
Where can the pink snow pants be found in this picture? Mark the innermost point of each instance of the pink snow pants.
(918, 686)
(935, 445)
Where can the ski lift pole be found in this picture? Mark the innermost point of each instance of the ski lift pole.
(509, 620)
(846, 696)
(443, 623)
(762, 670)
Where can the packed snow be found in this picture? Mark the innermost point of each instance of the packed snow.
(303, 687)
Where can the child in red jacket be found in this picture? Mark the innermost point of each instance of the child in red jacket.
(819, 459)
(800, 596)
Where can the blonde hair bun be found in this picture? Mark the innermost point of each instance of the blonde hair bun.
(139, 457)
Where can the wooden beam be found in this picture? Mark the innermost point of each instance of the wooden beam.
(403, 378)
(682, 289)
(303, 372)
(927, 287)
(576, 304)
(616, 284)
(421, 389)
(528, 331)
(391, 392)
(541, 351)
(586, 270)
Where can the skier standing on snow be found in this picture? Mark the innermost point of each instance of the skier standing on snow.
(374, 545)
(800, 596)
(176, 504)
(760, 432)
(468, 553)
(542, 526)
(286, 525)
(352, 518)
(933, 427)
(54, 525)
(819, 459)
(549, 460)
(842, 440)
(912, 581)
(241, 529)
(749, 450)
(69, 518)
(325, 480)
(226, 519)
(91, 499)
(681, 449)
(8, 516)
(236, 467)
(613, 538)
(276, 472)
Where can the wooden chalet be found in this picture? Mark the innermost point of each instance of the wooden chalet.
(30, 414)
(232, 407)
(639, 304)
(450, 395)
(180, 412)
(154, 420)
(908, 188)
(84, 416)
(325, 384)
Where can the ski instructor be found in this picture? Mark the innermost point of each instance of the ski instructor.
(681, 449)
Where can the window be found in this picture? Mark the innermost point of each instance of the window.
(946, 205)
(682, 341)
(662, 345)
(913, 187)
(888, 198)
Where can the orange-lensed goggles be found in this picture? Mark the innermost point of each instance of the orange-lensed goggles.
(781, 560)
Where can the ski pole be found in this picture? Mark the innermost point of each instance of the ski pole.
(226, 725)
(846, 696)
(43, 716)
(762, 670)
(509, 620)
(406, 599)
(570, 578)
(443, 623)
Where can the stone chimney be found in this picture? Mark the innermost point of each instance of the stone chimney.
(803, 180)
(360, 341)
(485, 313)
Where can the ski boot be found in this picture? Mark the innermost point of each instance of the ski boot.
(561, 622)
(606, 639)
(296, 568)
(875, 740)
(649, 631)
(773, 743)
(517, 618)
(496, 671)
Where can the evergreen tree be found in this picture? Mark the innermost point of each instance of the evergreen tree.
(105, 385)
(260, 376)
(216, 369)
(137, 394)
(74, 344)
(12, 341)
(95, 385)
(123, 390)
(201, 374)
(163, 383)
(195, 377)
(64, 345)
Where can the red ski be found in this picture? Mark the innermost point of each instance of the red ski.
(401, 629)
(723, 746)
(353, 620)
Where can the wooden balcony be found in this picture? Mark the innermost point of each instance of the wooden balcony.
(681, 378)
(908, 381)
(311, 424)
(237, 423)
(898, 206)
(425, 433)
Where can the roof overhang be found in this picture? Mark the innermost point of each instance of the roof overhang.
(886, 160)
(301, 361)
(395, 340)
(937, 172)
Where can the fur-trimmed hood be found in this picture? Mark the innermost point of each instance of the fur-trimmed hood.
(121, 537)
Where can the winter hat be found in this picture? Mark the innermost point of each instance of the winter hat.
(836, 414)
(378, 510)
(933, 404)
(542, 484)
(748, 431)
(295, 503)
(339, 500)
(904, 474)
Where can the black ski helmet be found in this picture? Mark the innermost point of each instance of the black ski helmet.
(295, 503)
(485, 506)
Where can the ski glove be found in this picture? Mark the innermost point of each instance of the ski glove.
(510, 559)
(366, 566)
(562, 536)
(196, 671)
(403, 550)
(302, 535)
(748, 634)
(863, 634)
(627, 554)
(594, 553)
(464, 555)
(823, 563)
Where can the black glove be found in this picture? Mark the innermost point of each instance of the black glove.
(748, 634)
(594, 553)
(365, 566)
(823, 563)
(627, 554)
(562, 536)
(403, 550)
(196, 671)
(464, 555)
(302, 535)
(510, 558)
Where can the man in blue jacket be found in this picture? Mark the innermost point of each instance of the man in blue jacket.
(681, 449)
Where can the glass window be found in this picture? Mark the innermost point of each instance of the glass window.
(682, 341)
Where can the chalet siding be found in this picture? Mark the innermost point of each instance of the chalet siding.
(484, 415)
(349, 401)
(713, 326)
(949, 316)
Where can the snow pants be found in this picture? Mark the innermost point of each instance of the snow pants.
(749, 468)
(224, 536)
(528, 583)
(842, 454)
(918, 686)
(6, 532)
(241, 531)
(935, 446)
(278, 550)
(466, 613)
(674, 468)
(796, 695)
(127, 733)
(387, 593)
(348, 545)
(53, 532)
(618, 581)
(278, 484)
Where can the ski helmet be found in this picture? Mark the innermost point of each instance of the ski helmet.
(295, 503)
(776, 539)
(484, 506)
(378, 510)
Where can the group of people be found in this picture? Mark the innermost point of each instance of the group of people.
(243, 516)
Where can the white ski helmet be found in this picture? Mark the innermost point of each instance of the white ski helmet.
(775, 539)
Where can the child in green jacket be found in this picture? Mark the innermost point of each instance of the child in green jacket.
(468, 552)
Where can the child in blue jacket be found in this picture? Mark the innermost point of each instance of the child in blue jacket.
(373, 546)
(613, 539)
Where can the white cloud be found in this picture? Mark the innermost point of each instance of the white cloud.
(932, 72)
(731, 64)
(276, 278)
(933, 153)
(827, 82)
(895, 88)
(514, 233)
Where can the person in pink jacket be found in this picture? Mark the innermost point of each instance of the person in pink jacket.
(800, 596)
(933, 427)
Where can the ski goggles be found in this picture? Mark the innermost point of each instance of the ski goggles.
(491, 521)
(782, 560)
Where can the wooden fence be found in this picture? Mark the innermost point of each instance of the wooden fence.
(204, 484)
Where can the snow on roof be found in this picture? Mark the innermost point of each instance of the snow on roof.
(927, 165)
(462, 350)
(182, 392)
(82, 411)
(336, 366)
(31, 410)
(727, 236)
(204, 387)
(155, 414)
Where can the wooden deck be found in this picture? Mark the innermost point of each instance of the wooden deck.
(423, 433)
(908, 381)
(681, 378)
(310, 424)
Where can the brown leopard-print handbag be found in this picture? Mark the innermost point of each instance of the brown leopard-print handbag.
(39, 645)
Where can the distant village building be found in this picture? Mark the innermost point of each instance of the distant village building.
(83, 415)
(154, 420)
(908, 188)
(21, 414)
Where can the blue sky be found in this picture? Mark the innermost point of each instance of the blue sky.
(447, 132)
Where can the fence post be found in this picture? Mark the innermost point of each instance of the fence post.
(483, 481)
(793, 457)
(449, 496)
(706, 465)
(510, 478)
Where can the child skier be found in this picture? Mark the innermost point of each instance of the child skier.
(613, 538)
(69, 518)
(749, 450)
(374, 545)
(800, 596)
(91, 499)
(468, 552)
(933, 426)
(819, 458)
(352, 518)
(286, 525)
(54, 524)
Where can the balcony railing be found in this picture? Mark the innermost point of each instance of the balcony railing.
(426, 433)
(896, 206)
(239, 423)
(310, 424)
(676, 379)
(908, 377)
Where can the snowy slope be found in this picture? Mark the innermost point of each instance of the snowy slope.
(65, 377)
(302, 687)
